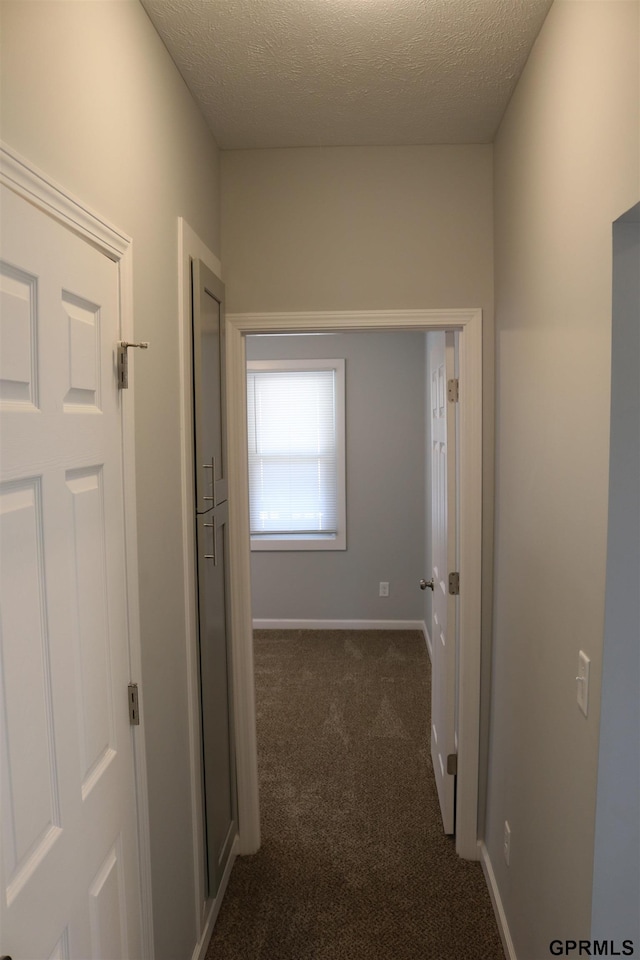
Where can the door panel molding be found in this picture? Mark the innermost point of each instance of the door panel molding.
(32, 184)
(468, 323)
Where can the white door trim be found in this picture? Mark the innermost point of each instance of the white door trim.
(469, 325)
(27, 181)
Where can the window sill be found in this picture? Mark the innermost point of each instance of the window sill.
(306, 542)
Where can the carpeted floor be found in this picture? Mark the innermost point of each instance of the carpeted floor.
(353, 863)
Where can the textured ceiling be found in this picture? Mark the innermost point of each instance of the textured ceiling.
(287, 73)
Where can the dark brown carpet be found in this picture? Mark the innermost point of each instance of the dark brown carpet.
(353, 864)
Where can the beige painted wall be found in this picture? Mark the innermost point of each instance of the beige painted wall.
(566, 166)
(352, 228)
(90, 96)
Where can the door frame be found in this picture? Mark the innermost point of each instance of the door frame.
(468, 324)
(24, 179)
(191, 247)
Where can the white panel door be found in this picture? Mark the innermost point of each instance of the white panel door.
(69, 880)
(443, 513)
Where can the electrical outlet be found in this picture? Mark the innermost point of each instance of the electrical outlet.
(506, 843)
(384, 589)
(582, 681)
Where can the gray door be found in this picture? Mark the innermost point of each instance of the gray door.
(212, 541)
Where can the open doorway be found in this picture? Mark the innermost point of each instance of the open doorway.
(363, 567)
(468, 326)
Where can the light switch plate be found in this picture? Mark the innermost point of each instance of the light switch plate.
(582, 682)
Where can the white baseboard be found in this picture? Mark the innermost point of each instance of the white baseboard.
(200, 950)
(338, 625)
(496, 900)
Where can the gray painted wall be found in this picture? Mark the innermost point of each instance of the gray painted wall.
(385, 436)
(616, 879)
(566, 167)
(91, 97)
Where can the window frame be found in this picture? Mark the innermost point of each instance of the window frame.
(338, 541)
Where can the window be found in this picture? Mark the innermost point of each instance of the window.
(295, 420)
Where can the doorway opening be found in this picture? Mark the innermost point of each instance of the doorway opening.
(468, 325)
(364, 567)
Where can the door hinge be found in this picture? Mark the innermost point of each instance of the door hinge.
(123, 360)
(454, 584)
(453, 390)
(452, 764)
(134, 710)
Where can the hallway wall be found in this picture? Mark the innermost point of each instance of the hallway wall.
(566, 166)
(92, 98)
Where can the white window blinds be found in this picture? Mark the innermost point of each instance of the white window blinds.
(294, 450)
